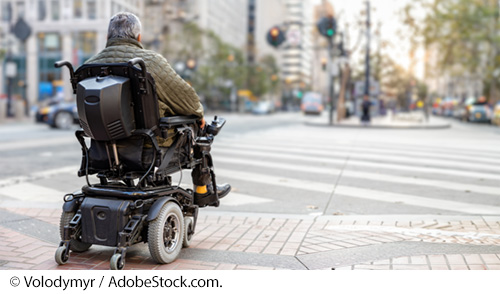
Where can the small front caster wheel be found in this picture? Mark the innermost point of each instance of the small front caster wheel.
(62, 255)
(117, 262)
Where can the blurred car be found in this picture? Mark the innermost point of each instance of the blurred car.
(312, 103)
(461, 110)
(447, 106)
(479, 111)
(436, 107)
(60, 115)
(263, 107)
(495, 118)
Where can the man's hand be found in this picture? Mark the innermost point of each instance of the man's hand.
(202, 123)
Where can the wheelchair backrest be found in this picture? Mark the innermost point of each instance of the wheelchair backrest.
(114, 100)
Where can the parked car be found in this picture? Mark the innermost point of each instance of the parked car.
(312, 103)
(60, 115)
(479, 111)
(447, 106)
(263, 107)
(462, 109)
(495, 118)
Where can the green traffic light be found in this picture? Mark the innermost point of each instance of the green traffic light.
(329, 32)
(299, 95)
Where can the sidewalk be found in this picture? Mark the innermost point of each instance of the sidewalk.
(412, 120)
(240, 241)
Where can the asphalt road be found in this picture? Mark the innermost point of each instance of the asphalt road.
(279, 164)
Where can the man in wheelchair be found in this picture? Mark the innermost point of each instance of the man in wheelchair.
(144, 123)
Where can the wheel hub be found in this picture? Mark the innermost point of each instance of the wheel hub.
(171, 232)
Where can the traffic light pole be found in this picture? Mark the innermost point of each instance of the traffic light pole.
(331, 83)
(367, 70)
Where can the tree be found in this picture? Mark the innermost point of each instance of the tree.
(464, 35)
(220, 67)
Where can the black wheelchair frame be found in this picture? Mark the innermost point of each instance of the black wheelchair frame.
(117, 211)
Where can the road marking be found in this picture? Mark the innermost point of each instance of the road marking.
(31, 192)
(39, 175)
(427, 170)
(363, 156)
(369, 194)
(417, 200)
(364, 175)
(36, 143)
(380, 150)
(237, 199)
(276, 181)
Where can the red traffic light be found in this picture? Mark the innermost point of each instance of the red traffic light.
(275, 32)
(275, 36)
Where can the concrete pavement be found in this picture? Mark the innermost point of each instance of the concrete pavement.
(412, 120)
(232, 241)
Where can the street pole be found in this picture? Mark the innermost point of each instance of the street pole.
(367, 70)
(331, 79)
(9, 85)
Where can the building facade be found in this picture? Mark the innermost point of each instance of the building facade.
(297, 56)
(72, 30)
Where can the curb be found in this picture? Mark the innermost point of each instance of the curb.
(394, 127)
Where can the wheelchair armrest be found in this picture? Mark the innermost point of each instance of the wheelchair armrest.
(173, 121)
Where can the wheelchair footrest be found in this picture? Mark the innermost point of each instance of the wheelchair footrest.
(208, 200)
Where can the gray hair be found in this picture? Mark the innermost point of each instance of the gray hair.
(124, 25)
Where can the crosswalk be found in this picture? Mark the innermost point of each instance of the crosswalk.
(314, 170)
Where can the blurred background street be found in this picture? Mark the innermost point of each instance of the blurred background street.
(417, 186)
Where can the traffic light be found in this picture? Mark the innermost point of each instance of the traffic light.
(327, 26)
(275, 36)
(191, 64)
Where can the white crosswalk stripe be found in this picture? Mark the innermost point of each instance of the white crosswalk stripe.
(348, 146)
(282, 160)
(284, 155)
(361, 156)
(363, 193)
(26, 191)
(362, 175)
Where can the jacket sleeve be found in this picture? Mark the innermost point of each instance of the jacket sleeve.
(175, 95)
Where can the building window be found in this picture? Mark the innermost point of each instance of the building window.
(42, 10)
(92, 9)
(78, 8)
(6, 11)
(49, 47)
(55, 10)
(49, 42)
(20, 9)
(85, 46)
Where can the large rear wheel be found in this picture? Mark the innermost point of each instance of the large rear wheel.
(166, 234)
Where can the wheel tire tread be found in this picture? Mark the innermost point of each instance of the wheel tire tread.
(155, 235)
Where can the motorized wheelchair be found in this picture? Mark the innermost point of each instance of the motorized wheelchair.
(135, 199)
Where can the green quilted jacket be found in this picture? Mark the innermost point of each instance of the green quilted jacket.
(176, 97)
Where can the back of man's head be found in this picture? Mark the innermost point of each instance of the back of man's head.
(124, 25)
